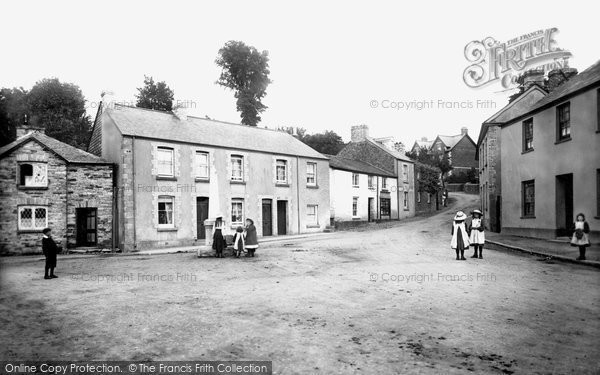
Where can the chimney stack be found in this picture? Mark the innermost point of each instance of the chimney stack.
(27, 127)
(359, 133)
(399, 146)
(557, 77)
(533, 76)
(180, 112)
(464, 130)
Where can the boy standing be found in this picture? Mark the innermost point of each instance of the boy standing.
(50, 250)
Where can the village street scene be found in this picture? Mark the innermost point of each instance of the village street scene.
(231, 206)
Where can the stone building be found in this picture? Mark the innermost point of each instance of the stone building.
(47, 183)
(388, 158)
(460, 149)
(177, 173)
(361, 192)
(550, 158)
(423, 143)
(488, 154)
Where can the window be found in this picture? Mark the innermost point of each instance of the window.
(528, 135)
(312, 214)
(384, 183)
(355, 207)
(237, 212)
(418, 197)
(165, 211)
(405, 172)
(202, 160)
(406, 200)
(384, 206)
(164, 161)
(32, 218)
(428, 198)
(281, 171)
(371, 182)
(355, 179)
(311, 174)
(563, 119)
(237, 167)
(528, 198)
(33, 174)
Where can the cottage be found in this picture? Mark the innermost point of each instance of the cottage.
(550, 157)
(178, 173)
(387, 157)
(47, 183)
(361, 192)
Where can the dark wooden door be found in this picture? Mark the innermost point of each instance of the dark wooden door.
(371, 200)
(267, 217)
(281, 217)
(201, 215)
(87, 234)
(564, 204)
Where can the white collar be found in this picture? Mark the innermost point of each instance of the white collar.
(46, 236)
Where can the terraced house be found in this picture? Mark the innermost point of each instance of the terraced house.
(48, 183)
(177, 174)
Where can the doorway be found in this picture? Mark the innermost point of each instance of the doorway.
(564, 204)
(87, 226)
(371, 205)
(267, 217)
(201, 215)
(281, 217)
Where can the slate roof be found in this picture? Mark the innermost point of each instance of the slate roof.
(451, 140)
(139, 122)
(67, 152)
(357, 166)
(394, 153)
(421, 144)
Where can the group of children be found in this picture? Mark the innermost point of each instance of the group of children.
(474, 235)
(244, 239)
(463, 237)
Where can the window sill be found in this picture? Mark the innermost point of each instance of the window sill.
(312, 186)
(313, 226)
(30, 231)
(235, 226)
(173, 229)
(527, 217)
(562, 140)
(23, 187)
(527, 151)
(237, 182)
(201, 179)
(356, 186)
(166, 178)
(282, 184)
(356, 217)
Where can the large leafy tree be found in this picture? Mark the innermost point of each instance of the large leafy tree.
(246, 71)
(13, 108)
(155, 95)
(328, 142)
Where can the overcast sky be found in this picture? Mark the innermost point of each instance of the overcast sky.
(328, 60)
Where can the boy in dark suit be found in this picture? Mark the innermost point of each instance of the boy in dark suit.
(50, 250)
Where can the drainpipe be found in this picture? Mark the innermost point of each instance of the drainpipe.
(114, 207)
(66, 207)
(378, 213)
(298, 189)
(134, 195)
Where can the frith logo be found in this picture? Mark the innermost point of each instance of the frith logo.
(493, 61)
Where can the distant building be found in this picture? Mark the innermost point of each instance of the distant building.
(360, 191)
(421, 144)
(178, 174)
(48, 183)
(460, 149)
(550, 158)
(488, 155)
(384, 155)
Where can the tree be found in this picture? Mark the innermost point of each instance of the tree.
(60, 109)
(429, 178)
(246, 71)
(13, 108)
(328, 142)
(157, 96)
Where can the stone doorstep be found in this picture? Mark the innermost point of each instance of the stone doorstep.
(592, 263)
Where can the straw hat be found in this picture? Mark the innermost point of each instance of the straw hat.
(460, 216)
(477, 212)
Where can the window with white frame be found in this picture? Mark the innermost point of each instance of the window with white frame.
(32, 217)
(202, 165)
(355, 206)
(371, 182)
(355, 179)
(237, 167)
(237, 211)
(406, 200)
(281, 171)
(166, 211)
(312, 214)
(405, 172)
(164, 161)
(33, 174)
(311, 174)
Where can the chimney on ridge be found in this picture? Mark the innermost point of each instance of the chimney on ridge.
(359, 133)
(27, 127)
(464, 130)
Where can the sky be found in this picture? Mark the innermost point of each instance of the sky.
(333, 64)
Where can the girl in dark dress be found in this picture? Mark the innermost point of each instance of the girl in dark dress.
(50, 250)
(580, 235)
(218, 239)
(251, 237)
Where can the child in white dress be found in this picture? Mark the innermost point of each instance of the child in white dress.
(477, 236)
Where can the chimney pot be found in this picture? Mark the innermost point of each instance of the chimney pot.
(359, 133)
(464, 131)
